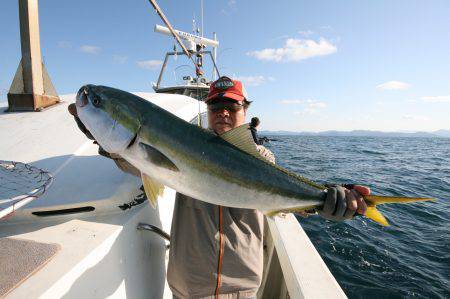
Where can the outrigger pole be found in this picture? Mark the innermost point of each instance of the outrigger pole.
(175, 35)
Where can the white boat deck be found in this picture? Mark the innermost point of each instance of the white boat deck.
(102, 254)
(93, 243)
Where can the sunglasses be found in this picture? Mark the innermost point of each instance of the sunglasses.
(229, 106)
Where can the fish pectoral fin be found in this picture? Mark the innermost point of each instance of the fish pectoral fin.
(375, 215)
(158, 158)
(241, 137)
(152, 189)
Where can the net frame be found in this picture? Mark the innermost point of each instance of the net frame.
(31, 182)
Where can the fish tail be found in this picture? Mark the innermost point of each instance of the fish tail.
(374, 200)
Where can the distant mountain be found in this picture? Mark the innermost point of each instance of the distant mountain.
(442, 133)
(363, 133)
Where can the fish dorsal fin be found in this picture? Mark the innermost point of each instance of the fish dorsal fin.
(152, 189)
(241, 137)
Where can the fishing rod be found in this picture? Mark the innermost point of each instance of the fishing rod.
(174, 34)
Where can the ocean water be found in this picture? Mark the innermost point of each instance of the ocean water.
(409, 259)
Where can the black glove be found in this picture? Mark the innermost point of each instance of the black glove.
(120, 162)
(73, 111)
(335, 205)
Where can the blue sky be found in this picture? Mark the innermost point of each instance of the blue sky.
(307, 65)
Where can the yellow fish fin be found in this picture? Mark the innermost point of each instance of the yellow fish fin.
(374, 200)
(375, 215)
(152, 189)
(378, 200)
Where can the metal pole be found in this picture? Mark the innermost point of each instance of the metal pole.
(202, 16)
(162, 71)
(215, 58)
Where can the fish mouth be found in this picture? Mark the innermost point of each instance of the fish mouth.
(82, 97)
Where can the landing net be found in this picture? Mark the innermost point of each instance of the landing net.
(20, 184)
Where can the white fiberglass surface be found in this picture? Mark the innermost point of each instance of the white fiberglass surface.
(52, 141)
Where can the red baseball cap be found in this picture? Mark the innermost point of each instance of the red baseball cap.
(225, 87)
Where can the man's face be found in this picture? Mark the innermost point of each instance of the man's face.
(224, 115)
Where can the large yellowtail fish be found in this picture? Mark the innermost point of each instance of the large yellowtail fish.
(224, 170)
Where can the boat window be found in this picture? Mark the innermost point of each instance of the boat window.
(196, 93)
(203, 120)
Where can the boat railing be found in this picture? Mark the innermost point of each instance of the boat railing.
(293, 267)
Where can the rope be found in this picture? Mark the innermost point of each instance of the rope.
(219, 267)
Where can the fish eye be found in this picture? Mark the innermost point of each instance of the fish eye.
(96, 101)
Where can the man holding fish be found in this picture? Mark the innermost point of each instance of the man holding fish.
(216, 250)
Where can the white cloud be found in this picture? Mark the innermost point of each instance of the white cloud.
(90, 49)
(327, 27)
(285, 36)
(255, 80)
(296, 50)
(307, 111)
(231, 5)
(149, 64)
(64, 44)
(310, 106)
(317, 105)
(415, 117)
(306, 33)
(309, 103)
(291, 102)
(436, 99)
(120, 59)
(393, 85)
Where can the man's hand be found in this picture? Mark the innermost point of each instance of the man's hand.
(73, 111)
(342, 203)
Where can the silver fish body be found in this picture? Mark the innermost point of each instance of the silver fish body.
(223, 170)
(187, 158)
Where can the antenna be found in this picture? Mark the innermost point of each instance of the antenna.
(215, 57)
(201, 6)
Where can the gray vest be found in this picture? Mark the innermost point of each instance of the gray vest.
(212, 253)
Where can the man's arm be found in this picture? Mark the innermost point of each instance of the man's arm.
(342, 202)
